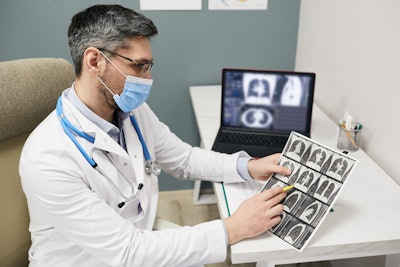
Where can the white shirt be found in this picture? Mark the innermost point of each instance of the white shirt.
(75, 220)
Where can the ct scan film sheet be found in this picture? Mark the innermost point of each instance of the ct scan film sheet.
(318, 175)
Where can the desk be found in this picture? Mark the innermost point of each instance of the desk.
(366, 217)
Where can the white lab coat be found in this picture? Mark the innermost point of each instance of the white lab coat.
(75, 220)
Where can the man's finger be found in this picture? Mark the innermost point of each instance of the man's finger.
(271, 192)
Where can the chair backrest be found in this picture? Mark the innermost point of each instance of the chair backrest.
(29, 89)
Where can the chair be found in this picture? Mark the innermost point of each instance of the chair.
(29, 89)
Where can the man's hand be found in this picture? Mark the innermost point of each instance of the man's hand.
(255, 215)
(263, 168)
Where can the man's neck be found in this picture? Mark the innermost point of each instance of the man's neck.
(90, 97)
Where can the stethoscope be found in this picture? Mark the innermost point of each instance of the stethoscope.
(151, 166)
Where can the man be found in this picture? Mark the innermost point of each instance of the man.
(89, 170)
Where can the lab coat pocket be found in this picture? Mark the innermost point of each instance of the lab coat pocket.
(132, 210)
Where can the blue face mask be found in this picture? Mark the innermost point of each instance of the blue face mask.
(136, 91)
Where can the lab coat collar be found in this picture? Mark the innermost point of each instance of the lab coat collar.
(102, 140)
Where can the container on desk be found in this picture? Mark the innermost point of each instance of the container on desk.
(349, 139)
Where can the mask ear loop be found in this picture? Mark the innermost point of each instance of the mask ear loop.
(108, 88)
(102, 82)
(115, 66)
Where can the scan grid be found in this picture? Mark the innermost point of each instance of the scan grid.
(318, 174)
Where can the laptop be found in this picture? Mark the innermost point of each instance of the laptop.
(260, 108)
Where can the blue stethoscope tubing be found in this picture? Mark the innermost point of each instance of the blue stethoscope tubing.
(67, 126)
(150, 165)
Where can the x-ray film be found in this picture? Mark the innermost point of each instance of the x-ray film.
(318, 174)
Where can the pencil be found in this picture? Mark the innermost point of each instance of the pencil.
(287, 188)
(351, 139)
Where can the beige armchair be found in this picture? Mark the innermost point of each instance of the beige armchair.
(29, 89)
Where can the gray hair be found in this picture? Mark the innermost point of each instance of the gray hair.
(105, 26)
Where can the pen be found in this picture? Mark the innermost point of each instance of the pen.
(348, 122)
(287, 188)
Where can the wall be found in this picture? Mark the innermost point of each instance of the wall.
(353, 46)
(191, 48)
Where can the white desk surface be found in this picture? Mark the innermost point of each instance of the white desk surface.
(366, 217)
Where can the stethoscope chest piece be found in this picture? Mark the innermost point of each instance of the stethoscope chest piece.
(152, 167)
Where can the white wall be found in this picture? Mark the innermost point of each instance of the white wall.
(354, 48)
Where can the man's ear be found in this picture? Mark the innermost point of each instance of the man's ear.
(92, 60)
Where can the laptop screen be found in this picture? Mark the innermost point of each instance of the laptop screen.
(270, 100)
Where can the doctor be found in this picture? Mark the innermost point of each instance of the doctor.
(89, 170)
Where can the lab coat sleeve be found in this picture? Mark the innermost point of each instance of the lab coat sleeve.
(66, 210)
(184, 161)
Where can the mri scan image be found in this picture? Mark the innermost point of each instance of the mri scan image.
(318, 174)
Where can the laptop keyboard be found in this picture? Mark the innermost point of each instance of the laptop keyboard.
(253, 139)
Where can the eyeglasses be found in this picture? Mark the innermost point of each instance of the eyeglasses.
(143, 67)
